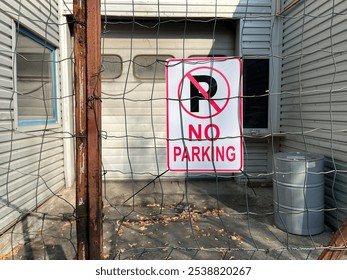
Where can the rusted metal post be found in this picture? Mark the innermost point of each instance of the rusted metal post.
(93, 32)
(88, 129)
(80, 48)
(338, 244)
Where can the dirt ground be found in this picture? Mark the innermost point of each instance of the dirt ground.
(167, 220)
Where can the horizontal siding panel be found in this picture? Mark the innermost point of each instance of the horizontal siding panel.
(6, 40)
(6, 91)
(6, 64)
(7, 73)
(117, 93)
(137, 157)
(166, 47)
(255, 160)
(135, 141)
(10, 174)
(305, 62)
(179, 8)
(307, 80)
(304, 59)
(134, 125)
(6, 115)
(34, 16)
(338, 128)
(30, 154)
(317, 134)
(21, 134)
(315, 41)
(318, 116)
(293, 143)
(143, 108)
(322, 95)
(26, 141)
(335, 192)
(6, 104)
(9, 215)
(54, 182)
(19, 197)
(332, 107)
(31, 183)
(135, 120)
(315, 22)
(6, 82)
(6, 37)
(5, 126)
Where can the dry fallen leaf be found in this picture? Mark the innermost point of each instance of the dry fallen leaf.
(197, 228)
(153, 205)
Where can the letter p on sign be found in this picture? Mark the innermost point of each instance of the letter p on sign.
(204, 115)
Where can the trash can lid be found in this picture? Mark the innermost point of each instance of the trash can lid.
(298, 156)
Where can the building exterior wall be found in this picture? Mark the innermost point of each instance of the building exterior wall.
(256, 33)
(314, 100)
(256, 15)
(31, 157)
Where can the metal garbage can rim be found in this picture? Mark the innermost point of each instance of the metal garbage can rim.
(298, 156)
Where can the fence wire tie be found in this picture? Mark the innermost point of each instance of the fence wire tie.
(94, 97)
(78, 22)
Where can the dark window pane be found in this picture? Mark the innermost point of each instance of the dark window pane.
(255, 92)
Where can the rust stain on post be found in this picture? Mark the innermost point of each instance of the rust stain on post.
(93, 33)
(81, 129)
(89, 207)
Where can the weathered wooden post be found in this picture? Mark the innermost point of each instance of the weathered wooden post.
(87, 51)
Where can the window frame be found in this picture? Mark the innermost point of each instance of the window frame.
(257, 130)
(45, 120)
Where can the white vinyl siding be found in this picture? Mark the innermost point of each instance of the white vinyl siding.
(256, 16)
(134, 107)
(141, 115)
(31, 167)
(314, 98)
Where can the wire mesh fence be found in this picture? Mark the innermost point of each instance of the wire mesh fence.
(150, 212)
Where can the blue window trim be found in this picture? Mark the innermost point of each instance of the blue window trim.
(54, 82)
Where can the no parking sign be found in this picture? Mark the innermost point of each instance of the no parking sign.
(204, 115)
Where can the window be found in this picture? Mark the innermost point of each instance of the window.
(111, 66)
(150, 66)
(255, 93)
(35, 80)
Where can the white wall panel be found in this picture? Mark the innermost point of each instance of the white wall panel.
(314, 89)
(131, 116)
(29, 165)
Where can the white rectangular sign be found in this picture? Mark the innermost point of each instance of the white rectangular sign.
(204, 114)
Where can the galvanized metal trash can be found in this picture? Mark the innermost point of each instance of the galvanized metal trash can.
(298, 192)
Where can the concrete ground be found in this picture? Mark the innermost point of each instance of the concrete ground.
(167, 220)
